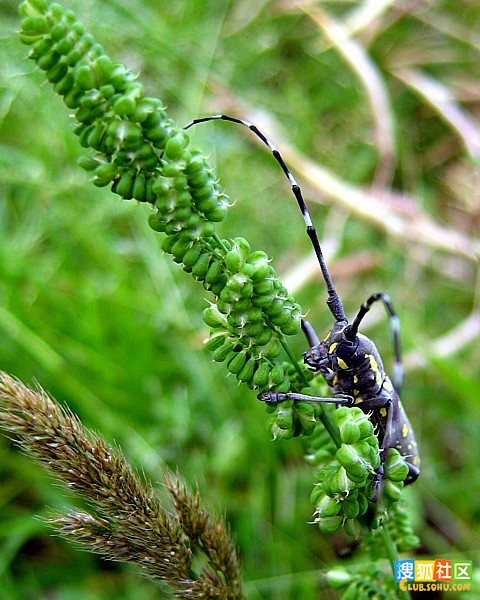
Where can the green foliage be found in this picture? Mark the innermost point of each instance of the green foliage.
(90, 308)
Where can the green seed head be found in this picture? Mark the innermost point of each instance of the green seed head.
(329, 524)
(292, 327)
(237, 362)
(327, 506)
(246, 373)
(233, 261)
(396, 468)
(216, 340)
(221, 353)
(214, 318)
(392, 490)
(176, 144)
(339, 578)
(31, 8)
(261, 375)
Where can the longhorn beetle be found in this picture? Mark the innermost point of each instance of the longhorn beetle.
(348, 360)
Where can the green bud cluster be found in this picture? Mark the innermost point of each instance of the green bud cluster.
(344, 487)
(137, 149)
(127, 131)
(251, 314)
(401, 528)
(395, 472)
(369, 580)
(188, 202)
(289, 419)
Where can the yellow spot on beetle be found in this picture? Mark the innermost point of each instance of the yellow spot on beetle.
(342, 364)
(373, 362)
(415, 460)
(332, 347)
(383, 412)
(405, 430)
(374, 367)
(355, 379)
(387, 384)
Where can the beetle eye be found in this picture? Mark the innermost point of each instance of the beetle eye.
(314, 356)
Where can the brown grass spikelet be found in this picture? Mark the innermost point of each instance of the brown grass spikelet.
(127, 523)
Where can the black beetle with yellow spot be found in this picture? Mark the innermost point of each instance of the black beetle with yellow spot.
(349, 361)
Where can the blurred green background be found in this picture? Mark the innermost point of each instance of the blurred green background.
(375, 106)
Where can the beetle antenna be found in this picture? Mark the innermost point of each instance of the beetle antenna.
(334, 301)
(352, 330)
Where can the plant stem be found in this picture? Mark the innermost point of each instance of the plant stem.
(292, 358)
(219, 241)
(392, 557)
(330, 426)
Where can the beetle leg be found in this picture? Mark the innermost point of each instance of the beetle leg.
(273, 398)
(374, 403)
(386, 403)
(413, 473)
